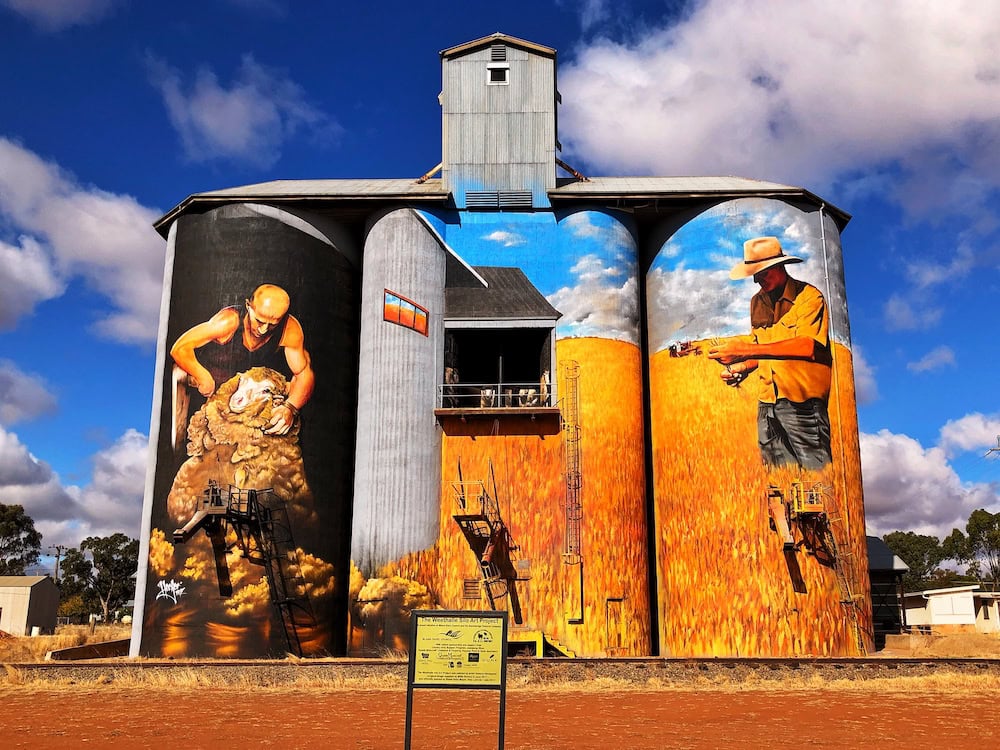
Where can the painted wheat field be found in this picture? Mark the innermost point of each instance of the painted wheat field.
(612, 618)
(725, 587)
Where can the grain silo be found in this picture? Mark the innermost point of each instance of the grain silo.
(259, 321)
(759, 523)
(532, 394)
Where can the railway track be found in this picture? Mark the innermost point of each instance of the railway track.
(520, 671)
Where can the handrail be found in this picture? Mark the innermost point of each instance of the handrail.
(497, 395)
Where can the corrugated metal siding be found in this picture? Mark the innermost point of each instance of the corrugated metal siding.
(398, 467)
(499, 137)
(14, 610)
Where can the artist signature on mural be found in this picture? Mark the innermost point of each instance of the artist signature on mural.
(172, 590)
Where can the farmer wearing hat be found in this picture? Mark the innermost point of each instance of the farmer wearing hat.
(788, 349)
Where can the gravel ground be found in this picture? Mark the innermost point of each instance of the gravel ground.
(522, 672)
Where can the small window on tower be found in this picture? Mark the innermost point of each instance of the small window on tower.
(498, 74)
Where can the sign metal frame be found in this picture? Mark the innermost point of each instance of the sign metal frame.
(457, 650)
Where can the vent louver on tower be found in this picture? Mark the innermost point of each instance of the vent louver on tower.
(482, 199)
(498, 199)
(515, 199)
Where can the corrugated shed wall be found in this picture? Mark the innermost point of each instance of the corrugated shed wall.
(499, 137)
(398, 467)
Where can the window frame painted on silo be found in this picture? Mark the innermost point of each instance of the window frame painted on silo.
(392, 299)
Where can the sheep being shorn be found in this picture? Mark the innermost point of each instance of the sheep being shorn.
(227, 444)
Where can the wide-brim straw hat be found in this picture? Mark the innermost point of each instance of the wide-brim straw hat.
(758, 254)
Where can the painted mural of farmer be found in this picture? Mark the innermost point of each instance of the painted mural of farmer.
(260, 333)
(789, 355)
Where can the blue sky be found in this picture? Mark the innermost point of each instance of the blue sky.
(113, 111)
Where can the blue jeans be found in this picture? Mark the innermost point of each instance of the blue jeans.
(794, 433)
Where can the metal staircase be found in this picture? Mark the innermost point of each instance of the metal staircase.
(259, 520)
(571, 441)
(842, 563)
(489, 538)
(573, 544)
(814, 512)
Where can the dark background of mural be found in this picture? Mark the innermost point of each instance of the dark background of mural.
(221, 257)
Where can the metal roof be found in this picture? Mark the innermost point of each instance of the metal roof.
(283, 191)
(497, 38)
(942, 592)
(432, 191)
(509, 296)
(359, 188)
(651, 188)
(881, 557)
(654, 185)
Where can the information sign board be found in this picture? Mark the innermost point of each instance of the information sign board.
(457, 650)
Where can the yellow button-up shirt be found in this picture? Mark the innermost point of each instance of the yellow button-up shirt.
(800, 311)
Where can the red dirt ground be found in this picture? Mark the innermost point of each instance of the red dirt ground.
(55, 719)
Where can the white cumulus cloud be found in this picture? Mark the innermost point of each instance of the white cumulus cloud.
(110, 502)
(67, 229)
(865, 385)
(902, 315)
(248, 120)
(27, 276)
(912, 488)
(935, 359)
(927, 273)
(973, 432)
(54, 15)
(686, 305)
(612, 236)
(113, 498)
(604, 301)
(797, 93)
(507, 239)
(22, 396)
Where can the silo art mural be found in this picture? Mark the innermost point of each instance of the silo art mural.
(247, 539)
(620, 409)
(759, 522)
(540, 505)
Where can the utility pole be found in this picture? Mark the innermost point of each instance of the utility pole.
(59, 550)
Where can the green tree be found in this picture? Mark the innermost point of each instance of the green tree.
(74, 607)
(980, 546)
(75, 584)
(115, 559)
(101, 572)
(20, 544)
(921, 552)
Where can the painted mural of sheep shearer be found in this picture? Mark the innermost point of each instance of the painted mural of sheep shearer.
(260, 334)
(250, 364)
(229, 444)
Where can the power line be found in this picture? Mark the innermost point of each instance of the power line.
(994, 450)
(59, 550)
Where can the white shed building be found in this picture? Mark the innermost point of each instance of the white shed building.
(28, 602)
(987, 611)
(958, 609)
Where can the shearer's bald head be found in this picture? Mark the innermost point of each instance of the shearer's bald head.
(266, 307)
